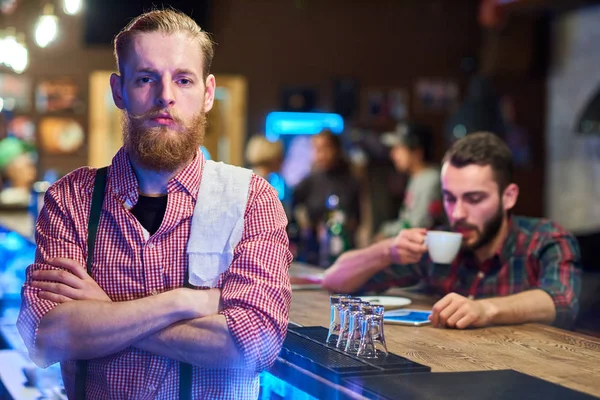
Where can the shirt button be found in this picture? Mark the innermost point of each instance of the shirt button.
(480, 275)
(151, 245)
(471, 297)
(154, 292)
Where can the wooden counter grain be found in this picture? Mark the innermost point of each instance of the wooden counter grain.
(559, 356)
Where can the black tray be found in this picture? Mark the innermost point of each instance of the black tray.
(306, 348)
(474, 385)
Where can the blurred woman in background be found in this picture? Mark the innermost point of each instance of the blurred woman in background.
(331, 176)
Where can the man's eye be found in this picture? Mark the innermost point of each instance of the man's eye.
(474, 200)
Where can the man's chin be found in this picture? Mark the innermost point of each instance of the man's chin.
(161, 166)
(470, 243)
(163, 130)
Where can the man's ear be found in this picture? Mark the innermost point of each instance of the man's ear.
(116, 86)
(510, 196)
(209, 92)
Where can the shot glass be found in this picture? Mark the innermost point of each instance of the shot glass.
(341, 307)
(377, 332)
(356, 316)
(334, 320)
(372, 338)
(345, 316)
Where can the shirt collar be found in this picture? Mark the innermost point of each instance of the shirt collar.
(124, 183)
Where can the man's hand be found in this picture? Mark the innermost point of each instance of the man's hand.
(456, 311)
(409, 246)
(69, 283)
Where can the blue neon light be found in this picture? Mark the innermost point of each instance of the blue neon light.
(274, 388)
(16, 253)
(278, 184)
(205, 152)
(299, 123)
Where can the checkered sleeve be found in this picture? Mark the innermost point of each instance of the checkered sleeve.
(256, 291)
(396, 275)
(55, 237)
(560, 268)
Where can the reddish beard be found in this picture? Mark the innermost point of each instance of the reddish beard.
(162, 148)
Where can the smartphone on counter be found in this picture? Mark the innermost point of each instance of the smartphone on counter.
(407, 317)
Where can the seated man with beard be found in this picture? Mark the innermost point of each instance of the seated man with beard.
(510, 269)
(186, 293)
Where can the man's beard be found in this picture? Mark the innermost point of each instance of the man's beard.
(490, 229)
(162, 148)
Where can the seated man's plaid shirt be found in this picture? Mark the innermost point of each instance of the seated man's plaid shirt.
(537, 254)
(128, 265)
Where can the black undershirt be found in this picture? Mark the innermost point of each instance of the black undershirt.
(150, 211)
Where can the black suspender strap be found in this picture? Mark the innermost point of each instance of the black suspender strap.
(185, 381)
(185, 372)
(95, 211)
(94, 220)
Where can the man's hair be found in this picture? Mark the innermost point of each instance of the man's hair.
(413, 136)
(483, 148)
(420, 137)
(166, 21)
(333, 139)
(261, 151)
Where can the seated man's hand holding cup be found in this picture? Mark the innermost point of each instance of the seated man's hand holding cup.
(410, 245)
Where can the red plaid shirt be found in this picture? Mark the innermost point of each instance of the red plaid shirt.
(536, 254)
(129, 265)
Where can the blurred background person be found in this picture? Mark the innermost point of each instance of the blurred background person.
(265, 157)
(18, 171)
(411, 152)
(331, 175)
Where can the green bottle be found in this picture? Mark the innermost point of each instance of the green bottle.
(404, 224)
(337, 233)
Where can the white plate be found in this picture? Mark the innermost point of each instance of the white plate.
(387, 301)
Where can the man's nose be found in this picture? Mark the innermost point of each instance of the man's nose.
(166, 96)
(459, 211)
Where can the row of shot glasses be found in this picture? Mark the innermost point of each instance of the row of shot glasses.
(356, 327)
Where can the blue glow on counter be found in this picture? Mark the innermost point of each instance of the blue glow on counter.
(271, 387)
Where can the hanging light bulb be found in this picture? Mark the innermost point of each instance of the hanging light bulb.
(13, 52)
(71, 7)
(3, 58)
(46, 27)
(20, 55)
(10, 48)
(6, 40)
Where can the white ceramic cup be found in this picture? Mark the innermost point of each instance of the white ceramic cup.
(443, 246)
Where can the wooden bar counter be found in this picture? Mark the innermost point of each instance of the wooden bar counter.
(563, 357)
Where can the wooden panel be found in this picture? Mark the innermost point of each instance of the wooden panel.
(105, 136)
(226, 130)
